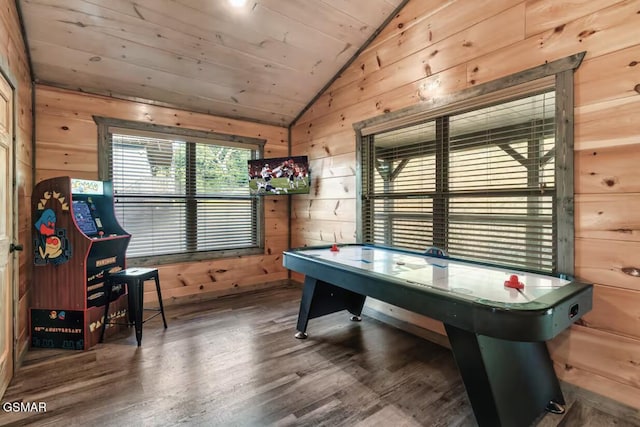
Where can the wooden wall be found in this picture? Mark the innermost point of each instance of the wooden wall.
(433, 49)
(14, 63)
(66, 144)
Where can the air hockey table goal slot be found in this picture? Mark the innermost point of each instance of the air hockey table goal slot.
(574, 310)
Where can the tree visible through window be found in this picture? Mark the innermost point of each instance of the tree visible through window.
(182, 197)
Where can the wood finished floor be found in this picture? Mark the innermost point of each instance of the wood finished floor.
(234, 362)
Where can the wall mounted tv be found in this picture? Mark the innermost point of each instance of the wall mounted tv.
(279, 175)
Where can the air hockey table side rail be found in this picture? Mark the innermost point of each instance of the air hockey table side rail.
(538, 320)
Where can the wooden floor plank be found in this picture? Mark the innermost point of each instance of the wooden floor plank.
(233, 361)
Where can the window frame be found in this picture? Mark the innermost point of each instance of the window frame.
(107, 125)
(558, 75)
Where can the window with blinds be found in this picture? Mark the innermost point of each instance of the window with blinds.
(479, 184)
(181, 196)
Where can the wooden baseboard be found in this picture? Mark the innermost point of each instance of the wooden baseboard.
(22, 352)
(426, 334)
(603, 403)
(206, 296)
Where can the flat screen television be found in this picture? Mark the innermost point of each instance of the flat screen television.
(279, 176)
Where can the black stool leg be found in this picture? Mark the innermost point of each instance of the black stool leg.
(107, 292)
(160, 300)
(138, 293)
(131, 300)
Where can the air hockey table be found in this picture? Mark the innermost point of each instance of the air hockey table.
(497, 319)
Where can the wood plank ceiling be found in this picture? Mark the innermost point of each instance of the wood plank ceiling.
(264, 61)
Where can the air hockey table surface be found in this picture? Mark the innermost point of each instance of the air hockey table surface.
(470, 295)
(481, 283)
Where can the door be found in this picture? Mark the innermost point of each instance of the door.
(6, 234)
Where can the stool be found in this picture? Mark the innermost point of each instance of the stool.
(134, 278)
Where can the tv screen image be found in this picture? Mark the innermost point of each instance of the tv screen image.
(279, 176)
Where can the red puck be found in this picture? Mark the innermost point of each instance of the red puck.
(514, 282)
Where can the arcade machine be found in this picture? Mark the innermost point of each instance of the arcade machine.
(77, 243)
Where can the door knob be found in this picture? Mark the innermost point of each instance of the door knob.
(14, 247)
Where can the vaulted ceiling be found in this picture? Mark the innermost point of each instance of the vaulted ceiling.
(264, 61)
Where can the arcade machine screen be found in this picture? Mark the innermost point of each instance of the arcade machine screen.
(83, 217)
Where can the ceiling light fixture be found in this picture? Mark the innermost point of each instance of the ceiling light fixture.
(237, 3)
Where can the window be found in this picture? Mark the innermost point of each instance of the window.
(183, 195)
(489, 179)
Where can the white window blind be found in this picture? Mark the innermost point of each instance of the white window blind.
(177, 196)
(479, 184)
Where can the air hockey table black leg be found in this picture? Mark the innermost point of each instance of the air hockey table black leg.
(509, 383)
(320, 298)
(355, 303)
(305, 307)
